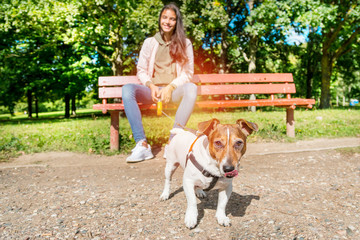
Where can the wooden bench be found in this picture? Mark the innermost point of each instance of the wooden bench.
(215, 91)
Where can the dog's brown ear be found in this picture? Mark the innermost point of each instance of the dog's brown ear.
(247, 127)
(207, 126)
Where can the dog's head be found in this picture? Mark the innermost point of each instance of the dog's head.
(227, 143)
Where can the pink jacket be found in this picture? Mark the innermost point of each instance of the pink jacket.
(145, 66)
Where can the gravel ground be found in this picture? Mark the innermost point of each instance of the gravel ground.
(302, 190)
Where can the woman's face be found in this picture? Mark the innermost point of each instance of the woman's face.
(168, 21)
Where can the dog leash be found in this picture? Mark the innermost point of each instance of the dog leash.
(159, 111)
(190, 155)
(183, 127)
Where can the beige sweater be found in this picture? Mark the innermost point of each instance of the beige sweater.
(145, 66)
(164, 67)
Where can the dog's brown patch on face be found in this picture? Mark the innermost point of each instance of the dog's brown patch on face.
(227, 142)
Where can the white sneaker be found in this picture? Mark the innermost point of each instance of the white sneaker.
(140, 153)
(165, 150)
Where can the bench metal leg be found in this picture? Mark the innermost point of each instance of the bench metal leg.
(114, 130)
(290, 122)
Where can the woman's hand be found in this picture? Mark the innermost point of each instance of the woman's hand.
(154, 92)
(165, 93)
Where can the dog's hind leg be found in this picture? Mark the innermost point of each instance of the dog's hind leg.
(169, 171)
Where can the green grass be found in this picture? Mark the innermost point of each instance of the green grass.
(91, 134)
(47, 115)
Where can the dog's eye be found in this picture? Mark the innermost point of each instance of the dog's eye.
(239, 144)
(218, 144)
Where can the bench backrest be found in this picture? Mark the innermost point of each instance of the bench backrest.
(215, 84)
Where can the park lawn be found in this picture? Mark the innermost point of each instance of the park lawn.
(57, 114)
(91, 134)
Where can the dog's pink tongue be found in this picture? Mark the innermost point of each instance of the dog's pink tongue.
(231, 174)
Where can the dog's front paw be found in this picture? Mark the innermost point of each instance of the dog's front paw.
(200, 193)
(223, 220)
(165, 195)
(190, 219)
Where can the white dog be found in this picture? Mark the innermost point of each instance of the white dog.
(210, 159)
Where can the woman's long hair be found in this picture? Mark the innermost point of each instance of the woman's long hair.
(178, 38)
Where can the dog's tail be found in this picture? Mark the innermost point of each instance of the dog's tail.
(182, 129)
(177, 131)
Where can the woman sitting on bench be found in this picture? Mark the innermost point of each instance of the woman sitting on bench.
(165, 68)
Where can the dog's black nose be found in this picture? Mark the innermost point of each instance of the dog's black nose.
(228, 168)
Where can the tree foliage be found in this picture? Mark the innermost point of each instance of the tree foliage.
(213, 27)
(115, 29)
(338, 23)
(53, 50)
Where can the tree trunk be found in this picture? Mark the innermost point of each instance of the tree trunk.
(73, 105)
(117, 68)
(309, 75)
(326, 71)
(310, 66)
(252, 64)
(114, 69)
(29, 102)
(223, 54)
(252, 54)
(67, 105)
(117, 63)
(11, 108)
(37, 107)
(252, 44)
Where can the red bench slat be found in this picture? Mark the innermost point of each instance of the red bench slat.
(116, 92)
(120, 106)
(246, 89)
(243, 78)
(222, 103)
(208, 78)
(110, 92)
(259, 102)
(117, 80)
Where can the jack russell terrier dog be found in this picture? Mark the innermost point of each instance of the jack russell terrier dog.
(210, 159)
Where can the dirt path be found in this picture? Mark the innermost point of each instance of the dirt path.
(302, 190)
